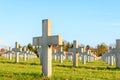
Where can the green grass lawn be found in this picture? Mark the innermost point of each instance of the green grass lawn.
(31, 70)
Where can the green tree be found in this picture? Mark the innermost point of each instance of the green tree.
(2, 50)
(101, 49)
(66, 45)
(30, 47)
(33, 49)
(88, 47)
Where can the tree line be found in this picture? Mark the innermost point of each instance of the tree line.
(99, 50)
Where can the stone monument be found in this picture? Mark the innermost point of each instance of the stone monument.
(46, 42)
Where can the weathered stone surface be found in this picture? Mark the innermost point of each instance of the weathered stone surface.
(46, 42)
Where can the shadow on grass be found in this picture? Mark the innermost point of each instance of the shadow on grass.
(36, 76)
(9, 62)
(23, 63)
(67, 66)
(91, 67)
(29, 74)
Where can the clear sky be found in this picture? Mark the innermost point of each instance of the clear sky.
(88, 21)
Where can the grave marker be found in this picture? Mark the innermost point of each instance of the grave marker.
(75, 51)
(46, 42)
(118, 53)
(17, 50)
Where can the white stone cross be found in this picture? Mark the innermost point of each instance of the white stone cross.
(111, 59)
(61, 53)
(118, 53)
(10, 53)
(17, 50)
(75, 51)
(84, 58)
(24, 53)
(88, 55)
(46, 42)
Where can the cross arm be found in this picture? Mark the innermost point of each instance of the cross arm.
(70, 49)
(17, 49)
(74, 50)
(37, 41)
(55, 40)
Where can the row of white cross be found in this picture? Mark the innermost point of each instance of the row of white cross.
(18, 52)
(46, 42)
(113, 55)
(45, 51)
(85, 57)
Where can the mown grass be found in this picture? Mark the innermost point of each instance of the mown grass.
(31, 70)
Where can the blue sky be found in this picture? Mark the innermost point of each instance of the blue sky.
(88, 21)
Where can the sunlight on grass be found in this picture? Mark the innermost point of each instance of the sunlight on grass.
(31, 70)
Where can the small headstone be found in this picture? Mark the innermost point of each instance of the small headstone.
(111, 60)
(10, 53)
(16, 50)
(61, 55)
(75, 51)
(24, 53)
(83, 53)
(84, 58)
(88, 55)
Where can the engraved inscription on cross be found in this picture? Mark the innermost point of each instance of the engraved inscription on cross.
(46, 41)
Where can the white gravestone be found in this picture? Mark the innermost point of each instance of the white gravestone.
(88, 55)
(83, 55)
(84, 58)
(111, 59)
(61, 53)
(24, 53)
(46, 42)
(17, 50)
(10, 53)
(118, 53)
(75, 51)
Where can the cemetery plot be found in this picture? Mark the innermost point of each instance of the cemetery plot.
(77, 63)
(32, 70)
